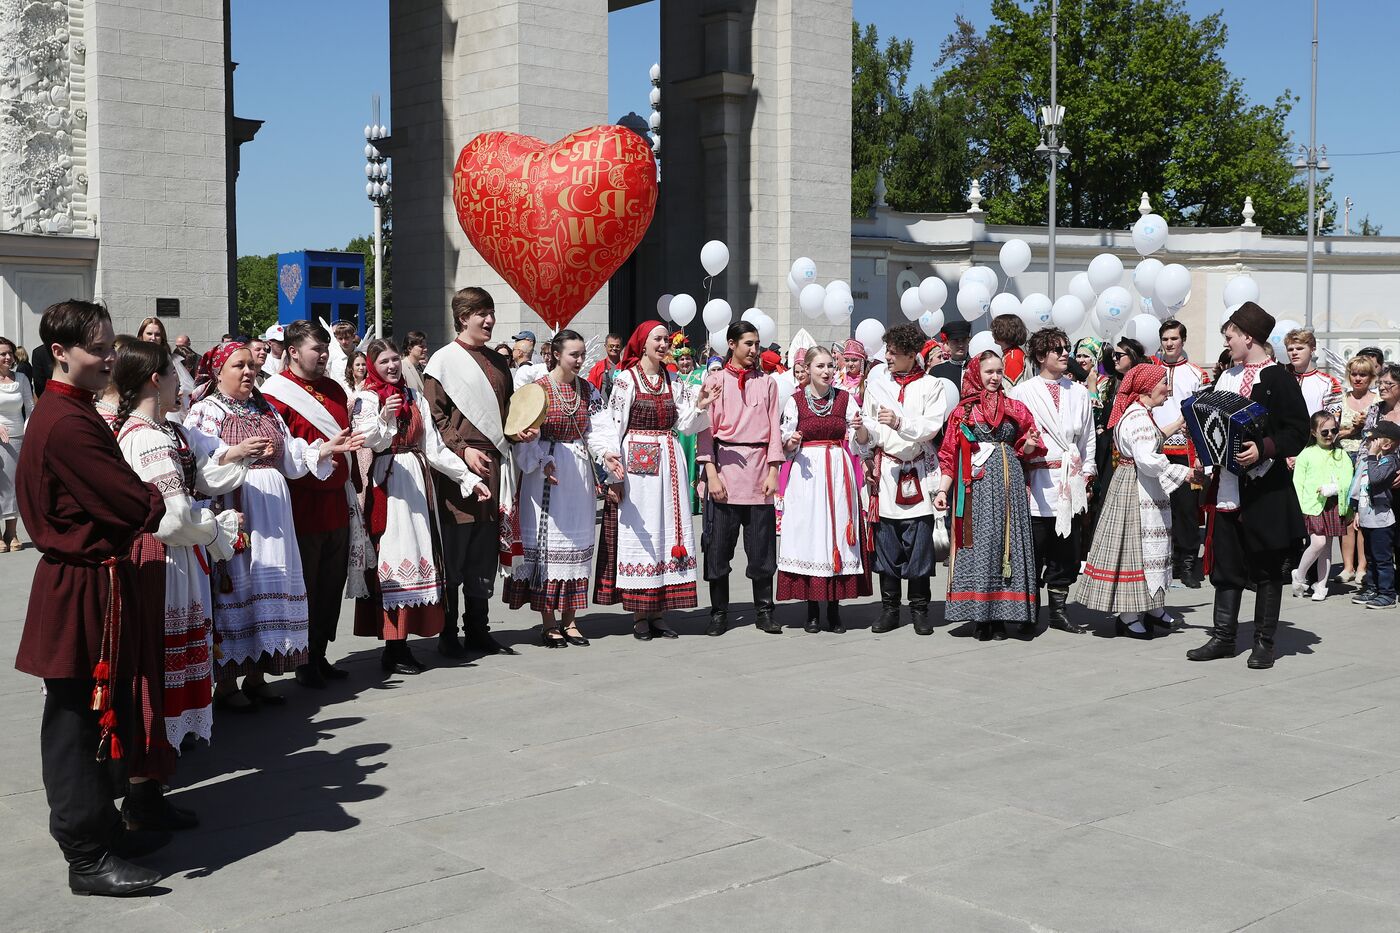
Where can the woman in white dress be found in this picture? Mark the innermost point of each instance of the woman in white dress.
(819, 552)
(406, 581)
(646, 559)
(16, 405)
(260, 619)
(556, 499)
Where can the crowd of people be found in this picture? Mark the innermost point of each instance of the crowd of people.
(201, 518)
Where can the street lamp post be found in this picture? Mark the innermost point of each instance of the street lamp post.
(1051, 119)
(377, 190)
(1312, 159)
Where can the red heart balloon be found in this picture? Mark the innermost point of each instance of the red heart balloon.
(556, 221)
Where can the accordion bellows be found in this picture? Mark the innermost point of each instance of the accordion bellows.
(1220, 423)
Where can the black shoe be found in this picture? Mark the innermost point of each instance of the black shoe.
(763, 606)
(476, 629)
(1027, 629)
(111, 876)
(983, 631)
(1363, 596)
(1121, 629)
(578, 640)
(889, 605)
(833, 618)
(766, 623)
(719, 624)
(642, 631)
(309, 676)
(329, 671)
(406, 657)
(145, 808)
(659, 630)
(922, 625)
(1268, 598)
(1225, 622)
(450, 646)
(719, 607)
(553, 638)
(998, 631)
(1188, 575)
(814, 622)
(134, 843)
(486, 644)
(1059, 617)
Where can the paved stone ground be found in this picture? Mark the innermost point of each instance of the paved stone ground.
(754, 782)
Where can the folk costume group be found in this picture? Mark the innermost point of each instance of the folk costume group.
(184, 554)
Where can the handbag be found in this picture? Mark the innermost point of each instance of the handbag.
(942, 541)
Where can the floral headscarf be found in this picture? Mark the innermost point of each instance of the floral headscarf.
(1140, 380)
(976, 395)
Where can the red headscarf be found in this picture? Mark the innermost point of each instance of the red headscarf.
(386, 390)
(975, 394)
(770, 361)
(637, 344)
(207, 373)
(1140, 380)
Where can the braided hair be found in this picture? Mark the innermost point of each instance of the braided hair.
(136, 363)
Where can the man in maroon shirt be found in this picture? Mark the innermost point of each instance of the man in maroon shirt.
(84, 506)
(315, 408)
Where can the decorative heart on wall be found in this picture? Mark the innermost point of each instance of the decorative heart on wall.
(556, 220)
(289, 276)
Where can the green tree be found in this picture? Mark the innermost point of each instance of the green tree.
(257, 293)
(918, 138)
(1149, 106)
(1368, 228)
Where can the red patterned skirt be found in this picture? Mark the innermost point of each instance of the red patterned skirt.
(1328, 524)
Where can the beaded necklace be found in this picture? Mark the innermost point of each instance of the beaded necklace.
(647, 386)
(823, 407)
(556, 390)
(249, 407)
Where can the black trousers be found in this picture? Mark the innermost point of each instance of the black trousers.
(1233, 566)
(470, 557)
(1186, 515)
(1056, 558)
(324, 558)
(719, 534)
(82, 819)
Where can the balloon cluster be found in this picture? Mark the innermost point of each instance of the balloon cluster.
(832, 301)
(717, 315)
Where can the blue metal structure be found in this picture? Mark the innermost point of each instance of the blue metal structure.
(312, 285)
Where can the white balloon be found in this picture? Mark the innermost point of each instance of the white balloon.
(663, 307)
(871, 333)
(973, 300)
(931, 322)
(1144, 329)
(1172, 286)
(1068, 313)
(837, 307)
(804, 271)
(811, 299)
(1015, 257)
(839, 286)
(752, 315)
(718, 342)
(1105, 271)
(983, 275)
(1281, 329)
(1149, 234)
(1115, 304)
(714, 256)
(932, 292)
(717, 315)
(980, 343)
(1240, 289)
(1107, 327)
(1081, 288)
(1006, 303)
(793, 287)
(683, 309)
(767, 330)
(1145, 277)
(910, 304)
(1035, 310)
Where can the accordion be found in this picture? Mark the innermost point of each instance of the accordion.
(1220, 423)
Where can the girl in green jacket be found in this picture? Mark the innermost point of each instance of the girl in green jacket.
(1322, 472)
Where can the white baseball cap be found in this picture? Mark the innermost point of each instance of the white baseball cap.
(275, 332)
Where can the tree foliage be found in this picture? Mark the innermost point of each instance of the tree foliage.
(1368, 228)
(1150, 106)
(916, 137)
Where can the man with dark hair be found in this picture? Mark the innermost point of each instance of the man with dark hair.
(1059, 480)
(342, 349)
(258, 347)
(904, 410)
(84, 506)
(1009, 331)
(315, 408)
(415, 357)
(958, 335)
(1258, 524)
(468, 388)
(1185, 379)
(605, 370)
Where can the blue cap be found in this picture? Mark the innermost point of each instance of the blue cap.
(526, 335)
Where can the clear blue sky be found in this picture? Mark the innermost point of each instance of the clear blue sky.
(308, 68)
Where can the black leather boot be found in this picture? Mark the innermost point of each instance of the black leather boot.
(1059, 618)
(145, 808)
(719, 607)
(919, 592)
(814, 621)
(833, 618)
(1225, 622)
(476, 626)
(889, 605)
(109, 876)
(763, 607)
(1189, 572)
(1268, 597)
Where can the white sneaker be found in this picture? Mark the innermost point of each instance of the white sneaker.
(1300, 584)
(1319, 593)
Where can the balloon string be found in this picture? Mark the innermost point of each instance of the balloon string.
(709, 280)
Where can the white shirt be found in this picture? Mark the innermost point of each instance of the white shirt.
(1185, 379)
(1069, 441)
(922, 415)
(1320, 391)
(527, 373)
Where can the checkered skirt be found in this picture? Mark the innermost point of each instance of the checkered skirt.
(1115, 578)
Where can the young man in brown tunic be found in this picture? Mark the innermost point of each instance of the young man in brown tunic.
(468, 388)
(84, 506)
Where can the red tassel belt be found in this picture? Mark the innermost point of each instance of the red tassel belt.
(848, 479)
(106, 667)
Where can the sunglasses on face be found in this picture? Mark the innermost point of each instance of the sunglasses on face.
(1327, 432)
(1058, 350)
(1119, 354)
